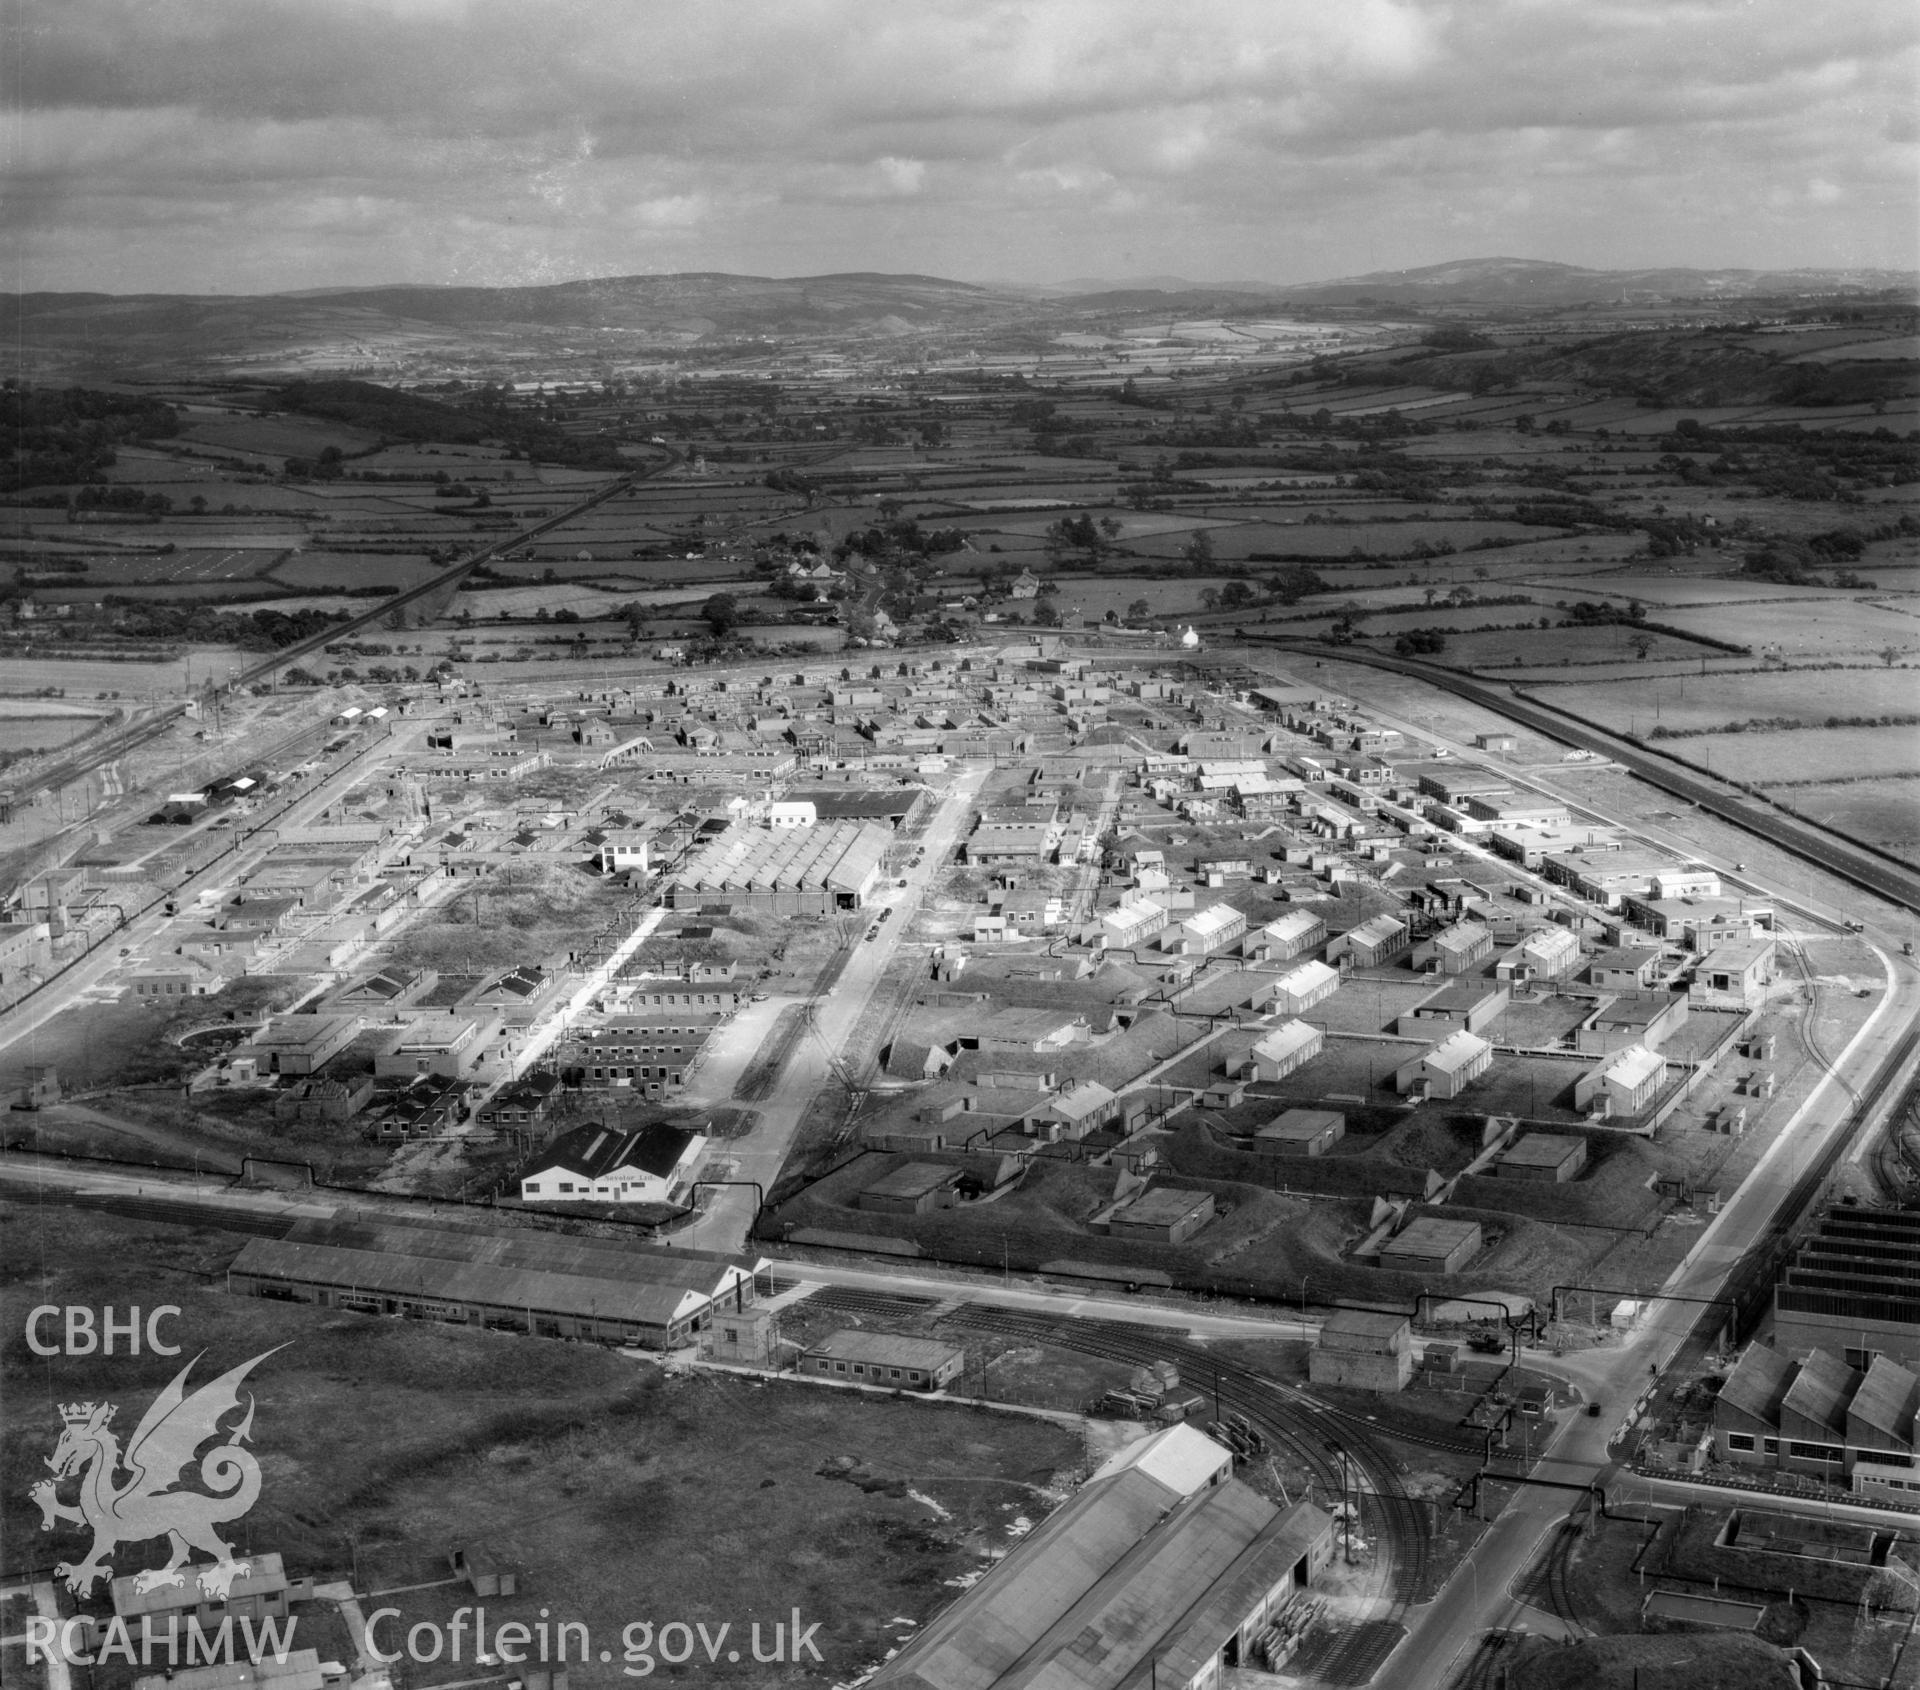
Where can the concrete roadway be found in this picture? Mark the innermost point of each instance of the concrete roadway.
(758, 1157)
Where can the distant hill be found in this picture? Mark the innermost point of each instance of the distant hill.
(145, 330)
(1536, 282)
(325, 330)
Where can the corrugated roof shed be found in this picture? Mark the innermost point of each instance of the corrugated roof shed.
(549, 1272)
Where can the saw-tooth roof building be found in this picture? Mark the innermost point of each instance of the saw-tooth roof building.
(785, 870)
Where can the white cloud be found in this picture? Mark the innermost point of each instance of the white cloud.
(1044, 137)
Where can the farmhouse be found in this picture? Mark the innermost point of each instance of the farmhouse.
(1163, 1567)
(1431, 1244)
(1370, 944)
(1369, 1351)
(1446, 1070)
(1163, 1215)
(1301, 1132)
(881, 1358)
(603, 1164)
(1551, 1158)
(1286, 1050)
(540, 1283)
(1625, 1084)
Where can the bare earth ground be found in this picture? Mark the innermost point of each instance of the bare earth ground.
(620, 1493)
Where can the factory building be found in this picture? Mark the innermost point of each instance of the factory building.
(1854, 1286)
(1163, 1569)
(797, 870)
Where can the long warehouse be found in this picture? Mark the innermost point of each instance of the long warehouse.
(547, 1284)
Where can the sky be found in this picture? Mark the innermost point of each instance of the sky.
(245, 146)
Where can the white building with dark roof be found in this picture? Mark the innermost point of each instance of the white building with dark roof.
(1448, 1068)
(1285, 1050)
(1291, 936)
(1625, 1084)
(598, 1164)
(1299, 989)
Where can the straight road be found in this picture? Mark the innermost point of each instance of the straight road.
(757, 1159)
(1477, 1598)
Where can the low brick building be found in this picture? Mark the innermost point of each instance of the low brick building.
(1551, 1158)
(1164, 1215)
(1301, 1132)
(881, 1358)
(1432, 1244)
(913, 1188)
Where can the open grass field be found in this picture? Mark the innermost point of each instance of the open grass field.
(616, 1494)
(1880, 812)
(1535, 648)
(1804, 754)
(284, 436)
(1714, 700)
(1313, 540)
(1824, 626)
(99, 678)
(346, 570)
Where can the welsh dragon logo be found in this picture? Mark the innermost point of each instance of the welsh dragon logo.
(131, 1497)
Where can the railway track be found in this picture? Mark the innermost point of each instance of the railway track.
(1311, 1433)
(1839, 856)
(851, 1299)
(131, 738)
